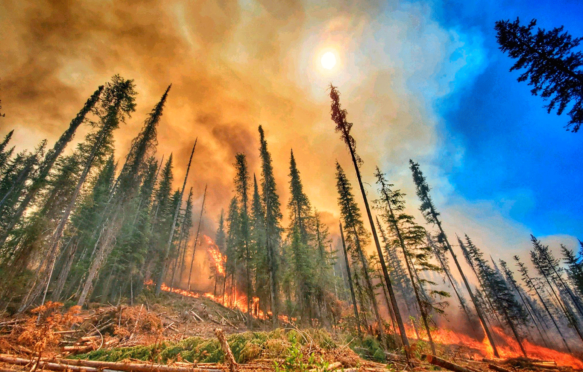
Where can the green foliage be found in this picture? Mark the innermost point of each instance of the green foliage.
(552, 63)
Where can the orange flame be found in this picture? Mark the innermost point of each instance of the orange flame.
(506, 345)
(218, 258)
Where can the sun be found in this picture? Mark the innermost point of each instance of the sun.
(328, 60)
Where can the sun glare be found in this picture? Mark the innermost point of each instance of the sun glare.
(328, 60)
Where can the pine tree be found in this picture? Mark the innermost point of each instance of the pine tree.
(233, 238)
(509, 275)
(344, 127)
(357, 238)
(575, 267)
(432, 217)
(394, 205)
(533, 287)
(117, 103)
(258, 247)
(242, 187)
(176, 211)
(77, 254)
(552, 63)
(488, 301)
(496, 288)
(5, 154)
(551, 266)
(49, 160)
(540, 260)
(272, 221)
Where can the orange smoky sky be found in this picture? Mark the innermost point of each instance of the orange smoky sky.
(235, 65)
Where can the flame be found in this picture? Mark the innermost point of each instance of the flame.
(219, 259)
(506, 345)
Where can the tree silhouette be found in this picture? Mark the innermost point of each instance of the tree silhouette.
(552, 66)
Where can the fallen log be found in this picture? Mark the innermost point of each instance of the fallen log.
(545, 366)
(132, 367)
(44, 364)
(229, 358)
(445, 364)
(496, 368)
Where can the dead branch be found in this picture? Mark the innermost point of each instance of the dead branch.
(229, 358)
(44, 364)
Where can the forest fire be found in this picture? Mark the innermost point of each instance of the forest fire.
(219, 259)
(507, 346)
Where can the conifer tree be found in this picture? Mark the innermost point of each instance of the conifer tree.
(488, 301)
(18, 173)
(242, 187)
(344, 127)
(77, 254)
(220, 236)
(552, 63)
(356, 238)
(49, 160)
(127, 186)
(394, 205)
(258, 247)
(496, 288)
(533, 287)
(575, 267)
(543, 267)
(117, 103)
(233, 233)
(272, 220)
(432, 217)
(551, 267)
(439, 253)
(509, 275)
(165, 262)
(5, 154)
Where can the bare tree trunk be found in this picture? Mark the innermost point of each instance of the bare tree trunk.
(196, 237)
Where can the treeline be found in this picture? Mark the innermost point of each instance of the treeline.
(79, 227)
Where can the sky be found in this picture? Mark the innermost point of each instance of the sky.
(421, 80)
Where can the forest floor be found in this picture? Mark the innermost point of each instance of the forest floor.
(173, 333)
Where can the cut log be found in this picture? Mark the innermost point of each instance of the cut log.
(445, 364)
(229, 358)
(496, 368)
(45, 365)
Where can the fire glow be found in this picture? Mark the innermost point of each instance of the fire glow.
(507, 346)
(218, 258)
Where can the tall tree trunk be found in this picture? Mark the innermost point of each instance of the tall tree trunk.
(196, 237)
(380, 255)
(410, 269)
(354, 305)
(176, 212)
